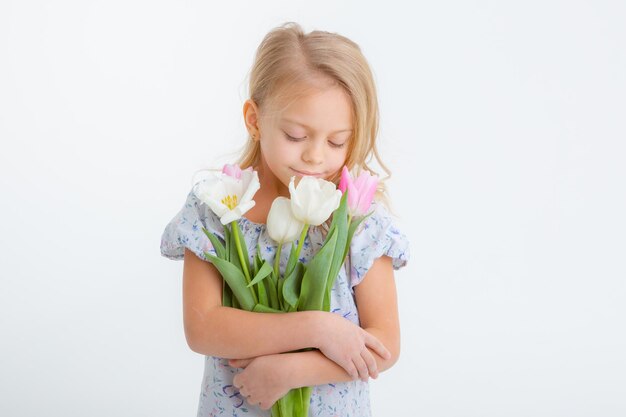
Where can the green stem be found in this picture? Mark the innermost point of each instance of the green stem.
(277, 260)
(305, 229)
(244, 262)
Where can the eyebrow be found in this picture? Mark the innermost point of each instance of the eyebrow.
(310, 128)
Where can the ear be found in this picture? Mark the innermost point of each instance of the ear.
(251, 118)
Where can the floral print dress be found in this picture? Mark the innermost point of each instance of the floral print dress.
(376, 236)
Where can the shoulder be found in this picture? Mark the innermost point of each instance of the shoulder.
(378, 220)
(376, 236)
(202, 215)
(186, 229)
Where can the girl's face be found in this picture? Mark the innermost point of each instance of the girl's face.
(309, 137)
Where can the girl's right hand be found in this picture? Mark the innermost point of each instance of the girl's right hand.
(346, 344)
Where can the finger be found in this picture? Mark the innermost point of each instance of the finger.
(239, 363)
(243, 391)
(351, 370)
(238, 384)
(362, 368)
(372, 342)
(370, 362)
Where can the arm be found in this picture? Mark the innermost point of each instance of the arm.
(211, 329)
(214, 330)
(377, 304)
(267, 378)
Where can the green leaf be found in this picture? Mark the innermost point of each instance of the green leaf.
(217, 245)
(262, 293)
(340, 221)
(291, 263)
(227, 238)
(260, 308)
(293, 404)
(316, 275)
(353, 226)
(257, 261)
(306, 399)
(244, 248)
(227, 295)
(272, 282)
(292, 285)
(281, 300)
(236, 281)
(265, 270)
(351, 230)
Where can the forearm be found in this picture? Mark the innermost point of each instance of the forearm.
(237, 334)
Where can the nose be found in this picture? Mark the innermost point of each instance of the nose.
(314, 153)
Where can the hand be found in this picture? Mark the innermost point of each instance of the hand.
(263, 381)
(346, 344)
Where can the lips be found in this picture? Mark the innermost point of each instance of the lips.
(310, 174)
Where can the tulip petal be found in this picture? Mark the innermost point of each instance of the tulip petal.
(229, 194)
(232, 170)
(251, 184)
(205, 191)
(282, 225)
(345, 178)
(360, 191)
(237, 212)
(313, 200)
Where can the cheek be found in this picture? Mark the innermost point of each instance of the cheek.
(272, 150)
(284, 153)
(339, 159)
(278, 157)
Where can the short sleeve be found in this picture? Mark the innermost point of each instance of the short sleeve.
(185, 230)
(375, 237)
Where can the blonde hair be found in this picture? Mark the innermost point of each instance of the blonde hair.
(288, 58)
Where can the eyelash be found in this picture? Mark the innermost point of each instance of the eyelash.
(334, 145)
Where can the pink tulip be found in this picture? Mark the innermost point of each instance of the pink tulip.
(360, 192)
(233, 170)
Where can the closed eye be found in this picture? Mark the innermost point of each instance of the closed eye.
(331, 143)
(337, 145)
(291, 138)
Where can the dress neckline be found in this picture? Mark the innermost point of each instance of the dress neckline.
(253, 223)
(264, 225)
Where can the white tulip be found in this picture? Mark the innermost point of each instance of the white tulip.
(282, 226)
(313, 200)
(229, 197)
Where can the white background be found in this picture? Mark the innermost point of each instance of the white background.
(503, 124)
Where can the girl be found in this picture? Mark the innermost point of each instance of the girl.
(312, 109)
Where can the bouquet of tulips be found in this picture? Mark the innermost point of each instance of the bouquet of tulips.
(258, 286)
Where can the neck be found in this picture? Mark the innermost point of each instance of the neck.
(271, 187)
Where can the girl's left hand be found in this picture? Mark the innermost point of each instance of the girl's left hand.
(263, 381)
